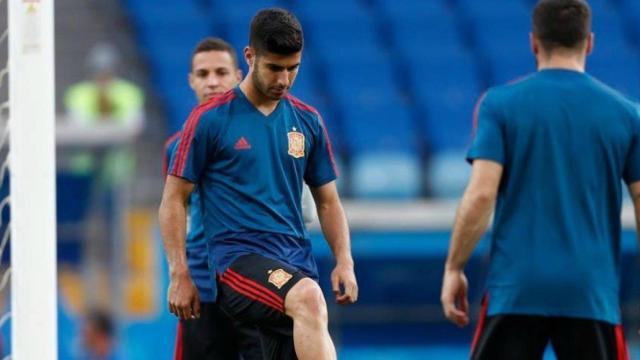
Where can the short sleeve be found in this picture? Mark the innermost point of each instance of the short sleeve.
(189, 159)
(488, 142)
(321, 168)
(631, 172)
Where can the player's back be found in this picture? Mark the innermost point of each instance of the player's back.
(565, 140)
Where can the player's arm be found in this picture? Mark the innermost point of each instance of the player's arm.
(472, 219)
(183, 295)
(335, 229)
(634, 191)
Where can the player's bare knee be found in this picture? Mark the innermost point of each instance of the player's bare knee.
(305, 300)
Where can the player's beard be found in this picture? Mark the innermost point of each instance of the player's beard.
(264, 88)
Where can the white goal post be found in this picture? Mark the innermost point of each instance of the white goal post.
(32, 169)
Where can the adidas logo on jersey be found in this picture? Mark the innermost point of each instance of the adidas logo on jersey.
(242, 144)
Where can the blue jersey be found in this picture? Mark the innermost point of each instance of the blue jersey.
(565, 141)
(196, 244)
(250, 169)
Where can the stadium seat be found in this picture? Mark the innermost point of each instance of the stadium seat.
(379, 175)
(448, 174)
(338, 39)
(383, 125)
(622, 72)
(447, 120)
(331, 10)
(361, 79)
(440, 39)
(413, 10)
(488, 9)
(509, 69)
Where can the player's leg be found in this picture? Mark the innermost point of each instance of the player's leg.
(511, 337)
(253, 291)
(247, 339)
(208, 337)
(585, 339)
(306, 305)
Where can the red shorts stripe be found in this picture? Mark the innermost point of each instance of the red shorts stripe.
(178, 354)
(270, 294)
(621, 344)
(250, 293)
(262, 292)
(483, 316)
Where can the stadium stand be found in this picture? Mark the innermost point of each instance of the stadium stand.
(388, 86)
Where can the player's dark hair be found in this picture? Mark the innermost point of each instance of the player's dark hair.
(561, 23)
(215, 44)
(276, 31)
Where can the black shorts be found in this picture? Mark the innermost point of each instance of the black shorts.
(252, 291)
(215, 336)
(525, 337)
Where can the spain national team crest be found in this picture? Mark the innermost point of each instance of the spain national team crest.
(296, 143)
(279, 277)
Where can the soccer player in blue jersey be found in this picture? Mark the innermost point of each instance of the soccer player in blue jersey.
(249, 152)
(213, 335)
(549, 154)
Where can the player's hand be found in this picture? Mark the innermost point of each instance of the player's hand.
(454, 297)
(183, 298)
(343, 282)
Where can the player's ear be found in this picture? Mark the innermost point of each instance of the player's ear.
(535, 44)
(249, 56)
(191, 79)
(591, 42)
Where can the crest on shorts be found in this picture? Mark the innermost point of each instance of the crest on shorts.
(296, 143)
(279, 277)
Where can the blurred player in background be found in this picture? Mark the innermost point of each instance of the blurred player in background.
(250, 151)
(551, 149)
(213, 335)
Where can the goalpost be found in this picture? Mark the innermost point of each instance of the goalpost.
(32, 177)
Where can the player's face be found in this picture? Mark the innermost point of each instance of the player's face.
(273, 75)
(212, 73)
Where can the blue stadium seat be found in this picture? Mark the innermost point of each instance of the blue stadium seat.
(331, 9)
(361, 79)
(609, 32)
(448, 174)
(449, 118)
(337, 39)
(492, 9)
(379, 175)
(508, 69)
(449, 76)
(621, 72)
(434, 37)
(413, 10)
(384, 125)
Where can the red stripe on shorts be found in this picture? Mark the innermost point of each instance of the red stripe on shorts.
(621, 344)
(483, 316)
(249, 292)
(273, 296)
(179, 352)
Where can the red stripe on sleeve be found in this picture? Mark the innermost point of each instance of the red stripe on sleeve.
(165, 159)
(476, 113)
(191, 126)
